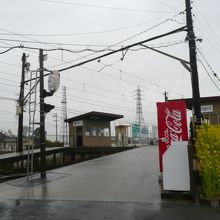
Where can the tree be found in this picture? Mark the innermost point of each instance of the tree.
(25, 131)
(9, 133)
(36, 134)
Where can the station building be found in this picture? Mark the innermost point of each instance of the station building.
(91, 129)
(210, 108)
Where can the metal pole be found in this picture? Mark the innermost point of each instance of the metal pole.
(42, 117)
(196, 98)
(55, 115)
(165, 96)
(193, 63)
(21, 105)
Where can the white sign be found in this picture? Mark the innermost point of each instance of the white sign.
(176, 167)
(206, 108)
(77, 123)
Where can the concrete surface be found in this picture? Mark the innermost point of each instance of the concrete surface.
(120, 186)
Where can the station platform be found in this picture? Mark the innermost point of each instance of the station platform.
(121, 186)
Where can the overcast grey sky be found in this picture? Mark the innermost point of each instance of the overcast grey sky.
(108, 85)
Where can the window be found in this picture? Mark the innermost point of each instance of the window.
(101, 132)
(93, 131)
(88, 131)
(106, 132)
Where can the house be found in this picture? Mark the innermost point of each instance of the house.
(9, 144)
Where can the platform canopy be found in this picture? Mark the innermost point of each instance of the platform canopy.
(203, 100)
(96, 116)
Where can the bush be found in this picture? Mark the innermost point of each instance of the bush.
(47, 144)
(53, 144)
(207, 145)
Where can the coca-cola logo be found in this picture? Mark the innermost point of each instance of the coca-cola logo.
(173, 122)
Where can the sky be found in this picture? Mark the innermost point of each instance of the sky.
(89, 28)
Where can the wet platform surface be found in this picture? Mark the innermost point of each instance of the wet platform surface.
(120, 186)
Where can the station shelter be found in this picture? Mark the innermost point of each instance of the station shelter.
(121, 132)
(91, 129)
(210, 108)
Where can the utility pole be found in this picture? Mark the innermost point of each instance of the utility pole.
(193, 63)
(55, 116)
(165, 96)
(21, 106)
(42, 117)
(196, 97)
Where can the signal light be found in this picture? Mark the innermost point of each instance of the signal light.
(48, 107)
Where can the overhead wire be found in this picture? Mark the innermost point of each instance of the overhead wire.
(104, 7)
(6, 84)
(8, 98)
(127, 81)
(107, 48)
(162, 45)
(100, 95)
(40, 42)
(102, 104)
(203, 65)
(122, 41)
(207, 63)
(9, 80)
(209, 75)
(166, 5)
(17, 34)
(212, 39)
(102, 73)
(10, 64)
(130, 74)
(7, 112)
(125, 48)
(141, 79)
(24, 47)
(7, 73)
(9, 31)
(87, 49)
(78, 34)
(209, 27)
(148, 29)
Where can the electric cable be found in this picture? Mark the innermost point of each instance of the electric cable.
(7, 73)
(209, 27)
(203, 65)
(78, 34)
(207, 63)
(104, 7)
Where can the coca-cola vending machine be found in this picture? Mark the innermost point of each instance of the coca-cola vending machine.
(172, 125)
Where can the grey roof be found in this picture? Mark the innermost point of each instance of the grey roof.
(96, 116)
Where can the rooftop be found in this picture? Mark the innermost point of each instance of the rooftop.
(95, 116)
(203, 100)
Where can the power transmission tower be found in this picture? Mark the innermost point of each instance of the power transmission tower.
(139, 119)
(64, 117)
